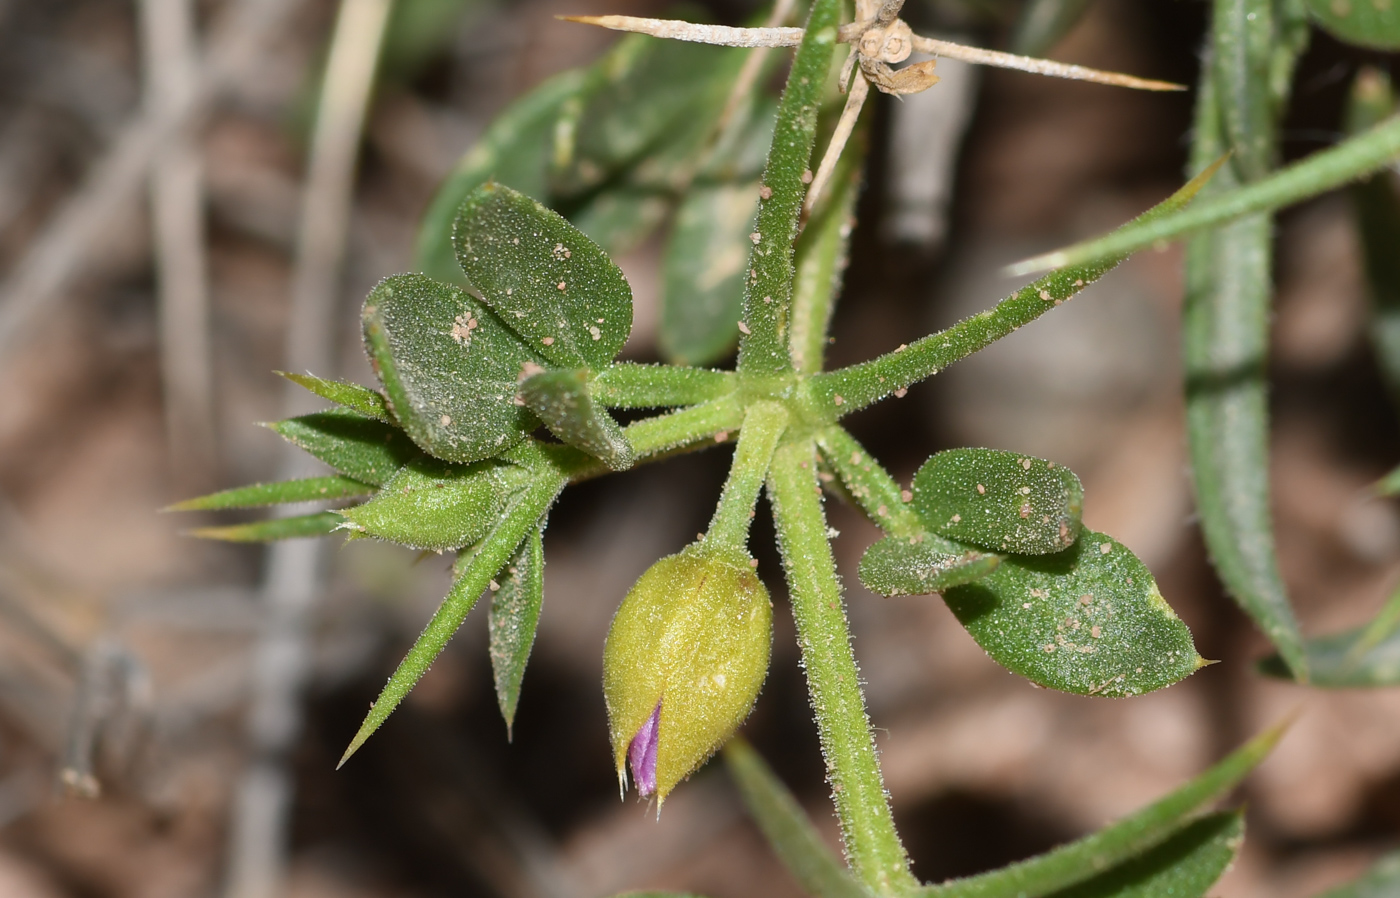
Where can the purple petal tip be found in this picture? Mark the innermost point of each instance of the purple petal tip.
(642, 753)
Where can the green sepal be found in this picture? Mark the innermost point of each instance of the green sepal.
(896, 566)
(311, 489)
(352, 396)
(515, 614)
(1184, 866)
(473, 572)
(361, 448)
(1088, 620)
(545, 279)
(703, 297)
(449, 367)
(318, 524)
(431, 504)
(1381, 881)
(1000, 500)
(563, 401)
(1368, 23)
(514, 151)
(1117, 843)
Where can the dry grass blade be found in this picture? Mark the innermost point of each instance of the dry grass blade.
(855, 100)
(673, 29)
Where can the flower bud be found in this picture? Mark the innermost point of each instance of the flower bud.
(685, 657)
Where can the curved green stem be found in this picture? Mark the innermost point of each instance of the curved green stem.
(848, 743)
(873, 488)
(630, 385)
(729, 528)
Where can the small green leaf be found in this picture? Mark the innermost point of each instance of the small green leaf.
(620, 219)
(544, 278)
(1381, 881)
(474, 572)
(1184, 866)
(1000, 500)
(318, 524)
(449, 367)
(352, 396)
(1128, 838)
(1088, 620)
(1369, 23)
(786, 826)
(895, 566)
(430, 504)
(312, 489)
(360, 448)
(513, 151)
(515, 613)
(704, 272)
(563, 400)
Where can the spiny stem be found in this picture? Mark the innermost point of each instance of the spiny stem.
(763, 426)
(848, 743)
(979, 56)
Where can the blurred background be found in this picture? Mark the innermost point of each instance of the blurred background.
(174, 226)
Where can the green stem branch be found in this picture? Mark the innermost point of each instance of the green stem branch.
(629, 385)
(873, 488)
(848, 743)
(729, 528)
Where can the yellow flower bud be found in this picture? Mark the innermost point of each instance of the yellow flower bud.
(685, 657)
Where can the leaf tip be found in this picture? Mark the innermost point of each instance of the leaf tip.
(1203, 662)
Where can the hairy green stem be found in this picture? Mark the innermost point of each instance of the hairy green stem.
(764, 424)
(821, 262)
(873, 488)
(629, 385)
(763, 348)
(848, 743)
(838, 393)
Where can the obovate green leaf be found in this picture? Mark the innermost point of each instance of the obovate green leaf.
(564, 402)
(1130, 837)
(704, 272)
(514, 151)
(1088, 620)
(1370, 23)
(1000, 500)
(351, 396)
(430, 504)
(361, 448)
(515, 614)
(449, 367)
(318, 524)
(1184, 866)
(1382, 881)
(311, 489)
(896, 566)
(544, 278)
(786, 826)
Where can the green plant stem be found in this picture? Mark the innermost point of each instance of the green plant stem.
(763, 348)
(873, 488)
(796, 842)
(490, 556)
(838, 393)
(1114, 844)
(848, 743)
(629, 385)
(764, 424)
(1319, 173)
(821, 261)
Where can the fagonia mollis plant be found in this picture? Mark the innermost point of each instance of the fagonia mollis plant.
(498, 382)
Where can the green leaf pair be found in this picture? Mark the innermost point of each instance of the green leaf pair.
(1064, 607)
